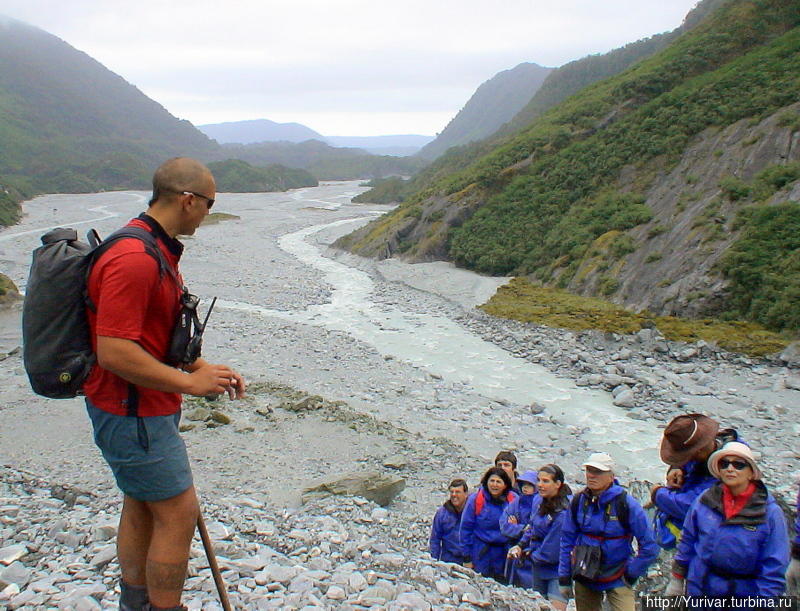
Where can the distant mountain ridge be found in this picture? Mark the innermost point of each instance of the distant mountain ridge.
(322, 160)
(263, 130)
(494, 103)
(258, 130)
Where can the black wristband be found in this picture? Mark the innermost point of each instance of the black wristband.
(796, 550)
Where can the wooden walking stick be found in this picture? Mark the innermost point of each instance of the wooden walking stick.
(212, 562)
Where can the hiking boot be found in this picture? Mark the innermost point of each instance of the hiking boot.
(132, 598)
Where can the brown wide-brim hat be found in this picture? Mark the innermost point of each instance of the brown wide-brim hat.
(685, 435)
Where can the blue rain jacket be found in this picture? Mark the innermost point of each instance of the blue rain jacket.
(597, 524)
(673, 503)
(480, 533)
(445, 543)
(744, 556)
(796, 544)
(542, 541)
(520, 508)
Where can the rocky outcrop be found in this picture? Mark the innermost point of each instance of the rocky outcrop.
(672, 269)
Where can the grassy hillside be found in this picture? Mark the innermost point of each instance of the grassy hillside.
(537, 203)
(570, 78)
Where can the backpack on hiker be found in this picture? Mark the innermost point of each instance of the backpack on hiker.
(588, 560)
(57, 349)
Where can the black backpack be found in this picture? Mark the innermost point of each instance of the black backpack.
(57, 350)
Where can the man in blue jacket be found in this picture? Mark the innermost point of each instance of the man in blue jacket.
(445, 544)
(687, 443)
(596, 551)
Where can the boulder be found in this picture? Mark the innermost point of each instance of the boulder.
(199, 414)
(396, 461)
(625, 399)
(372, 485)
(220, 417)
(12, 553)
(791, 354)
(306, 404)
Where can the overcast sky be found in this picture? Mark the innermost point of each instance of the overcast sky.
(341, 67)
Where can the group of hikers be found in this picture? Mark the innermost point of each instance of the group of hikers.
(531, 530)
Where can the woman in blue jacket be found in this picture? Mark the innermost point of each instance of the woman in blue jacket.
(514, 522)
(734, 539)
(480, 524)
(540, 544)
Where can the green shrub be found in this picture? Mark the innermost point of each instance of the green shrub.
(621, 246)
(734, 188)
(608, 285)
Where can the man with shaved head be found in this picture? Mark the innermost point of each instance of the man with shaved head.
(134, 397)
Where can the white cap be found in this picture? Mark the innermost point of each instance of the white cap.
(600, 460)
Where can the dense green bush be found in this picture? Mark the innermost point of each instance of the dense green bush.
(763, 266)
(734, 188)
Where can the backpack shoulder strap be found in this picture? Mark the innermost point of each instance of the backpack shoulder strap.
(146, 237)
(622, 510)
(138, 233)
(573, 507)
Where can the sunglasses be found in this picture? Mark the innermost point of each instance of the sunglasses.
(209, 201)
(739, 465)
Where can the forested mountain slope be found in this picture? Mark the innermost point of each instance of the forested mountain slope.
(69, 124)
(672, 186)
(494, 103)
(560, 84)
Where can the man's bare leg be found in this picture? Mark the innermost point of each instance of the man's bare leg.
(174, 522)
(133, 540)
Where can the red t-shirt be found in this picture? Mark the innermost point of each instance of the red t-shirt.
(134, 302)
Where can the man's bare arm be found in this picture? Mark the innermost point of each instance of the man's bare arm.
(131, 362)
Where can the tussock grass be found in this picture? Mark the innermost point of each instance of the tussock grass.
(521, 300)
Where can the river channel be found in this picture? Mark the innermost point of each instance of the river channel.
(270, 266)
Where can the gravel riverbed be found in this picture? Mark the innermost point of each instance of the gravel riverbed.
(362, 408)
